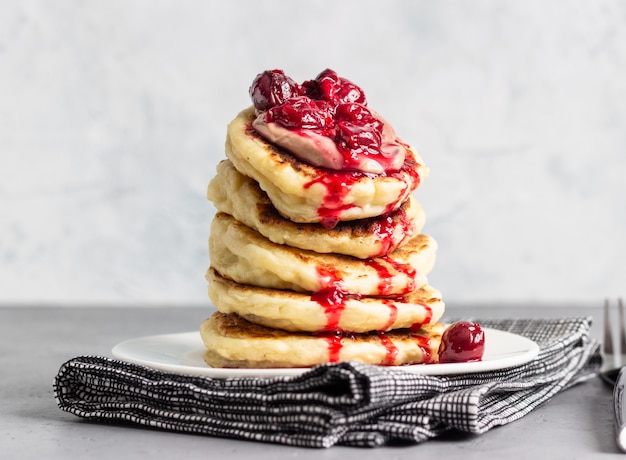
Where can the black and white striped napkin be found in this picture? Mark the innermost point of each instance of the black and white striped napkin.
(346, 403)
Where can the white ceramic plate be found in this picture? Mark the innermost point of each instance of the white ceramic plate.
(182, 353)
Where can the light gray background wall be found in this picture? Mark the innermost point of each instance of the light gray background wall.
(113, 115)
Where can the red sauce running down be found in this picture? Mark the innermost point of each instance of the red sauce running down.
(393, 315)
(334, 345)
(333, 301)
(385, 228)
(427, 318)
(337, 185)
(386, 275)
(331, 297)
(424, 344)
(391, 349)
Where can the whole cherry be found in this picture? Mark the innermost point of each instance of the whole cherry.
(271, 88)
(462, 341)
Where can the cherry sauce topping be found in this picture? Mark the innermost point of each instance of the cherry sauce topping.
(461, 342)
(330, 105)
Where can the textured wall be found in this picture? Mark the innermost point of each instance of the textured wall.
(113, 114)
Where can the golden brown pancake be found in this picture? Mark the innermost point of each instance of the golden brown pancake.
(247, 257)
(241, 197)
(231, 341)
(305, 193)
(296, 311)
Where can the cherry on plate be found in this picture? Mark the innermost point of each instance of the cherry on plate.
(462, 341)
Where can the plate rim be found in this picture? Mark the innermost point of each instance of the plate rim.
(120, 352)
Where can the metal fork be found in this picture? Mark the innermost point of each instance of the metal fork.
(614, 350)
(616, 373)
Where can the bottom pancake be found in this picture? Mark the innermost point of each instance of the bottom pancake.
(234, 342)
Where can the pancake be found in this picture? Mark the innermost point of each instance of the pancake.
(305, 193)
(241, 197)
(247, 257)
(231, 341)
(327, 310)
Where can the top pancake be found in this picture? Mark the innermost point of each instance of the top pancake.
(305, 193)
(240, 196)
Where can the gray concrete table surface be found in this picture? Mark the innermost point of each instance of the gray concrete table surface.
(35, 341)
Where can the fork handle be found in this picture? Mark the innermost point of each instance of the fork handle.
(619, 403)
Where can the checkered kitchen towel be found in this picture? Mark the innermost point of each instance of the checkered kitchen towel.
(346, 403)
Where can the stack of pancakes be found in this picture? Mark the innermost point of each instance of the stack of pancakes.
(310, 266)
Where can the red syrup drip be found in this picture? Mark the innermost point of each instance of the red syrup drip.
(424, 345)
(384, 232)
(391, 351)
(427, 318)
(384, 275)
(382, 265)
(409, 167)
(408, 270)
(386, 227)
(393, 315)
(337, 185)
(334, 346)
(333, 300)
